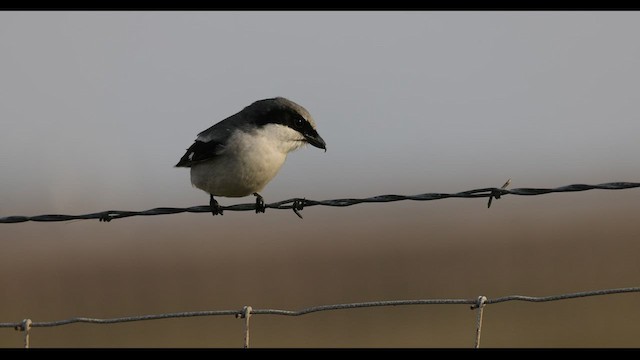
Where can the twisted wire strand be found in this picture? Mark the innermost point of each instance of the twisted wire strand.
(297, 204)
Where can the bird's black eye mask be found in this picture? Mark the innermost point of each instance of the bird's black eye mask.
(287, 117)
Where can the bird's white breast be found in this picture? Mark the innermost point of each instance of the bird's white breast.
(248, 161)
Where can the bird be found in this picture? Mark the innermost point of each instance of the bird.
(241, 154)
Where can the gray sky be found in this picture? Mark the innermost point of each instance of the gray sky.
(97, 107)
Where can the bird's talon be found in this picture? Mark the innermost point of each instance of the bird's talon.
(260, 207)
(216, 209)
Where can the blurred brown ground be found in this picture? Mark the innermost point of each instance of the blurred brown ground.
(455, 248)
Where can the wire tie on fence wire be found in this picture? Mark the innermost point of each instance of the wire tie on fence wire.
(26, 327)
(245, 314)
(298, 205)
(496, 193)
(481, 302)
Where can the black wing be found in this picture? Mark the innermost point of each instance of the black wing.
(200, 151)
(211, 141)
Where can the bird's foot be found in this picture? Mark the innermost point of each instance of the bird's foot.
(260, 208)
(216, 209)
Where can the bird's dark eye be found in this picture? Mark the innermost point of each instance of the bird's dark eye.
(298, 123)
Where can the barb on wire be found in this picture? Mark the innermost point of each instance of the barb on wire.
(496, 194)
(247, 310)
(297, 204)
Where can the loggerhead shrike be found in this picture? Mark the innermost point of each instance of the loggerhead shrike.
(239, 155)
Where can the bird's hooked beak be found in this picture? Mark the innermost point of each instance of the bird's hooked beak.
(316, 140)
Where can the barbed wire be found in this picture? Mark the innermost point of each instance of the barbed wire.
(479, 303)
(297, 204)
